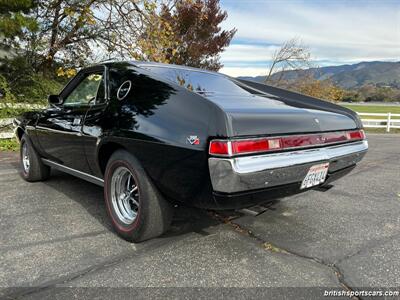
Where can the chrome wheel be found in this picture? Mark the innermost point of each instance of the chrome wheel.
(25, 158)
(124, 195)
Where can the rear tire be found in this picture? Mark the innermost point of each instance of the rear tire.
(32, 167)
(137, 210)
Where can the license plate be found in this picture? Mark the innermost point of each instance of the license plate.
(315, 176)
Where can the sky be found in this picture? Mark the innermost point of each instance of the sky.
(336, 32)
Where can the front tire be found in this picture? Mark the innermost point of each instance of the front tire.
(137, 210)
(32, 168)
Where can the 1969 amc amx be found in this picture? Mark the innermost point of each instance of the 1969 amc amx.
(155, 134)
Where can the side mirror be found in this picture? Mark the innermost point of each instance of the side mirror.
(54, 100)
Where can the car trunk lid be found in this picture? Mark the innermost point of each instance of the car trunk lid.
(258, 115)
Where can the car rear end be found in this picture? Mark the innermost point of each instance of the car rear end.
(247, 171)
(264, 145)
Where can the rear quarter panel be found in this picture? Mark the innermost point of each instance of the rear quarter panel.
(155, 122)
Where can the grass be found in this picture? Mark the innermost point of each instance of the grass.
(9, 145)
(381, 130)
(12, 112)
(374, 109)
(273, 248)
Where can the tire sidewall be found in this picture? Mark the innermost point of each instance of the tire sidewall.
(29, 176)
(37, 170)
(24, 141)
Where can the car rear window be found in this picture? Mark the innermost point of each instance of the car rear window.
(198, 81)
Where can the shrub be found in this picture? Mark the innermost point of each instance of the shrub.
(34, 88)
(5, 93)
(28, 84)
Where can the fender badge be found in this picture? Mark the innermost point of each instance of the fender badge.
(316, 120)
(193, 140)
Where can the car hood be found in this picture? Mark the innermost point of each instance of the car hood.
(262, 115)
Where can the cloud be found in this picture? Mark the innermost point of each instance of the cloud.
(337, 31)
(244, 71)
(248, 53)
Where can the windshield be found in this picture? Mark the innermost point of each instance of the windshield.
(198, 81)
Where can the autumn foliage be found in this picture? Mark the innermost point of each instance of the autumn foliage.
(43, 43)
(77, 32)
(323, 89)
(188, 34)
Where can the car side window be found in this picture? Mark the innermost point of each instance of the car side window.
(198, 81)
(121, 83)
(90, 88)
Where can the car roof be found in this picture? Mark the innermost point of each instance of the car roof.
(144, 64)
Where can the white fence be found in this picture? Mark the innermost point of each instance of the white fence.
(6, 123)
(389, 121)
(22, 105)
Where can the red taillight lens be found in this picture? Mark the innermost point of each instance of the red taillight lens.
(228, 148)
(248, 146)
(219, 148)
(356, 135)
(300, 141)
(244, 146)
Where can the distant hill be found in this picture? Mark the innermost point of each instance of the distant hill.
(348, 76)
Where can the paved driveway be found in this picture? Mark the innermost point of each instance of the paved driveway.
(56, 234)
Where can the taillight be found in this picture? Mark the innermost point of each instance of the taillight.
(356, 135)
(219, 148)
(259, 145)
(227, 148)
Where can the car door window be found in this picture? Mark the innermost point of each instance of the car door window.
(199, 81)
(90, 88)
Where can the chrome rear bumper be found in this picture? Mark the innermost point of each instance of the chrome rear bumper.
(231, 175)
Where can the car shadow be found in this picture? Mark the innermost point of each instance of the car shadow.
(90, 197)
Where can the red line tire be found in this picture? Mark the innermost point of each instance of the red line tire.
(153, 215)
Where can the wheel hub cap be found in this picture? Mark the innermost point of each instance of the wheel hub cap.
(124, 195)
(25, 158)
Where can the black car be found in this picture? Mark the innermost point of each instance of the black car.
(155, 134)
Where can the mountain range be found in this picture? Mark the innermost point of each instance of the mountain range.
(353, 76)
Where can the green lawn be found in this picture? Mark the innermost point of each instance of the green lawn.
(374, 108)
(9, 145)
(12, 112)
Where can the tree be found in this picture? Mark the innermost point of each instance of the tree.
(70, 34)
(292, 55)
(14, 20)
(187, 32)
(66, 27)
(177, 31)
(351, 96)
(5, 93)
(70, 30)
(322, 89)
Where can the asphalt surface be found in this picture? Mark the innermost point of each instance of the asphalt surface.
(56, 241)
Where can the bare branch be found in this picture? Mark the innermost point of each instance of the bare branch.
(292, 55)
